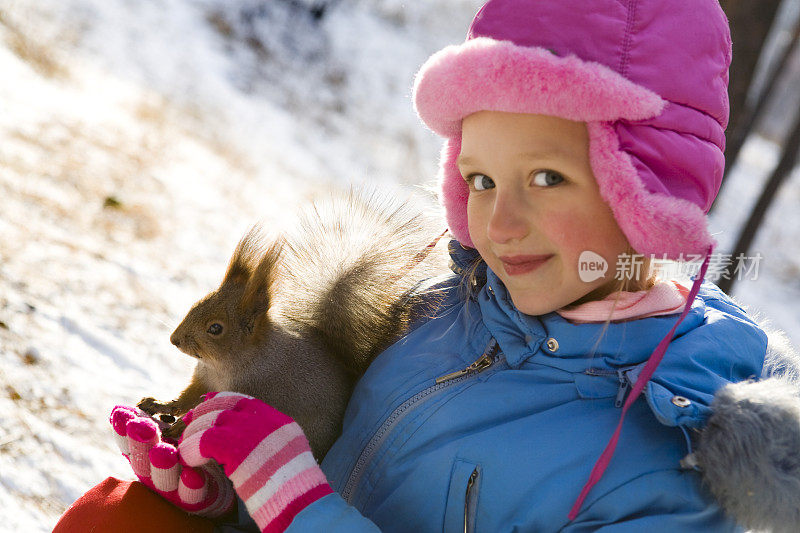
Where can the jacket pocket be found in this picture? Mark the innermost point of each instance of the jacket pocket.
(462, 498)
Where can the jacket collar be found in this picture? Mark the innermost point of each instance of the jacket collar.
(716, 344)
(520, 336)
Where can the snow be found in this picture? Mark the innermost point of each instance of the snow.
(139, 140)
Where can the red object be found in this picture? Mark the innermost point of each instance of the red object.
(116, 506)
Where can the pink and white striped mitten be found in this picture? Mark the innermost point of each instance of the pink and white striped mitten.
(204, 491)
(263, 451)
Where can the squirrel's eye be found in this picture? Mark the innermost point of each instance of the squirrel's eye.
(215, 328)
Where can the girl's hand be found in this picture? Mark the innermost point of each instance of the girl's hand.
(204, 491)
(263, 451)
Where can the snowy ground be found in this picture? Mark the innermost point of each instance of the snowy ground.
(138, 140)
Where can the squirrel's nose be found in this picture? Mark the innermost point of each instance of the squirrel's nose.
(175, 340)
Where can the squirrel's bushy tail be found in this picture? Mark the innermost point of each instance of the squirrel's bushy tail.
(349, 267)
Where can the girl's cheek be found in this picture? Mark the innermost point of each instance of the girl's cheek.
(478, 214)
(565, 230)
(574, 232)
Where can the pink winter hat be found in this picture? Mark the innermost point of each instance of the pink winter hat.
(649, 77)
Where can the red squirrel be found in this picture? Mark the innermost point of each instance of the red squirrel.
(296, 321)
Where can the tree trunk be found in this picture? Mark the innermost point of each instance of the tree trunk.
(782, 171)
(752, 113)
(750, 22)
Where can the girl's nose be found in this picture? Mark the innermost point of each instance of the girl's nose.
(510, 218)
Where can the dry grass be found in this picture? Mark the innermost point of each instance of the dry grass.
(86, 166)
(162, 115)
(40, 56)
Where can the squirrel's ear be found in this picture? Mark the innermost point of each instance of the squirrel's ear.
(257, 297)
(245, 258)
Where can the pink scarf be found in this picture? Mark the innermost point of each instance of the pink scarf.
(663, 298)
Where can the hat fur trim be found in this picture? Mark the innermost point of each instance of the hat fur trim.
(654, 223)
(484, 74)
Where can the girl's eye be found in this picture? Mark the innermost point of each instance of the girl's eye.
(481, 182)
(215, 329)
(547, 178)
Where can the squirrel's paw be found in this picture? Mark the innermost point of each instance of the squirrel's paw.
(151, 406)
(175, 430)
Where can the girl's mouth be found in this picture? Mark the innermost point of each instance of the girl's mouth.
(515, 265)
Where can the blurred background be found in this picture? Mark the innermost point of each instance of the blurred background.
(139, 140)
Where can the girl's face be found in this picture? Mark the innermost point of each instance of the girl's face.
(534, 206)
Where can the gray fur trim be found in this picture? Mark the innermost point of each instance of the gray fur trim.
(781, 359)
(749, 452)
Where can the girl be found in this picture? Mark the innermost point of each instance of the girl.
(573, 130)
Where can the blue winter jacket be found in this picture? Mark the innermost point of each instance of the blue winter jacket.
(486, 419)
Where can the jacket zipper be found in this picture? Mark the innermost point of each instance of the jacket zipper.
(483, 363)
(625, 381)
(624, 386)
(486, 360)
(470, 483)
